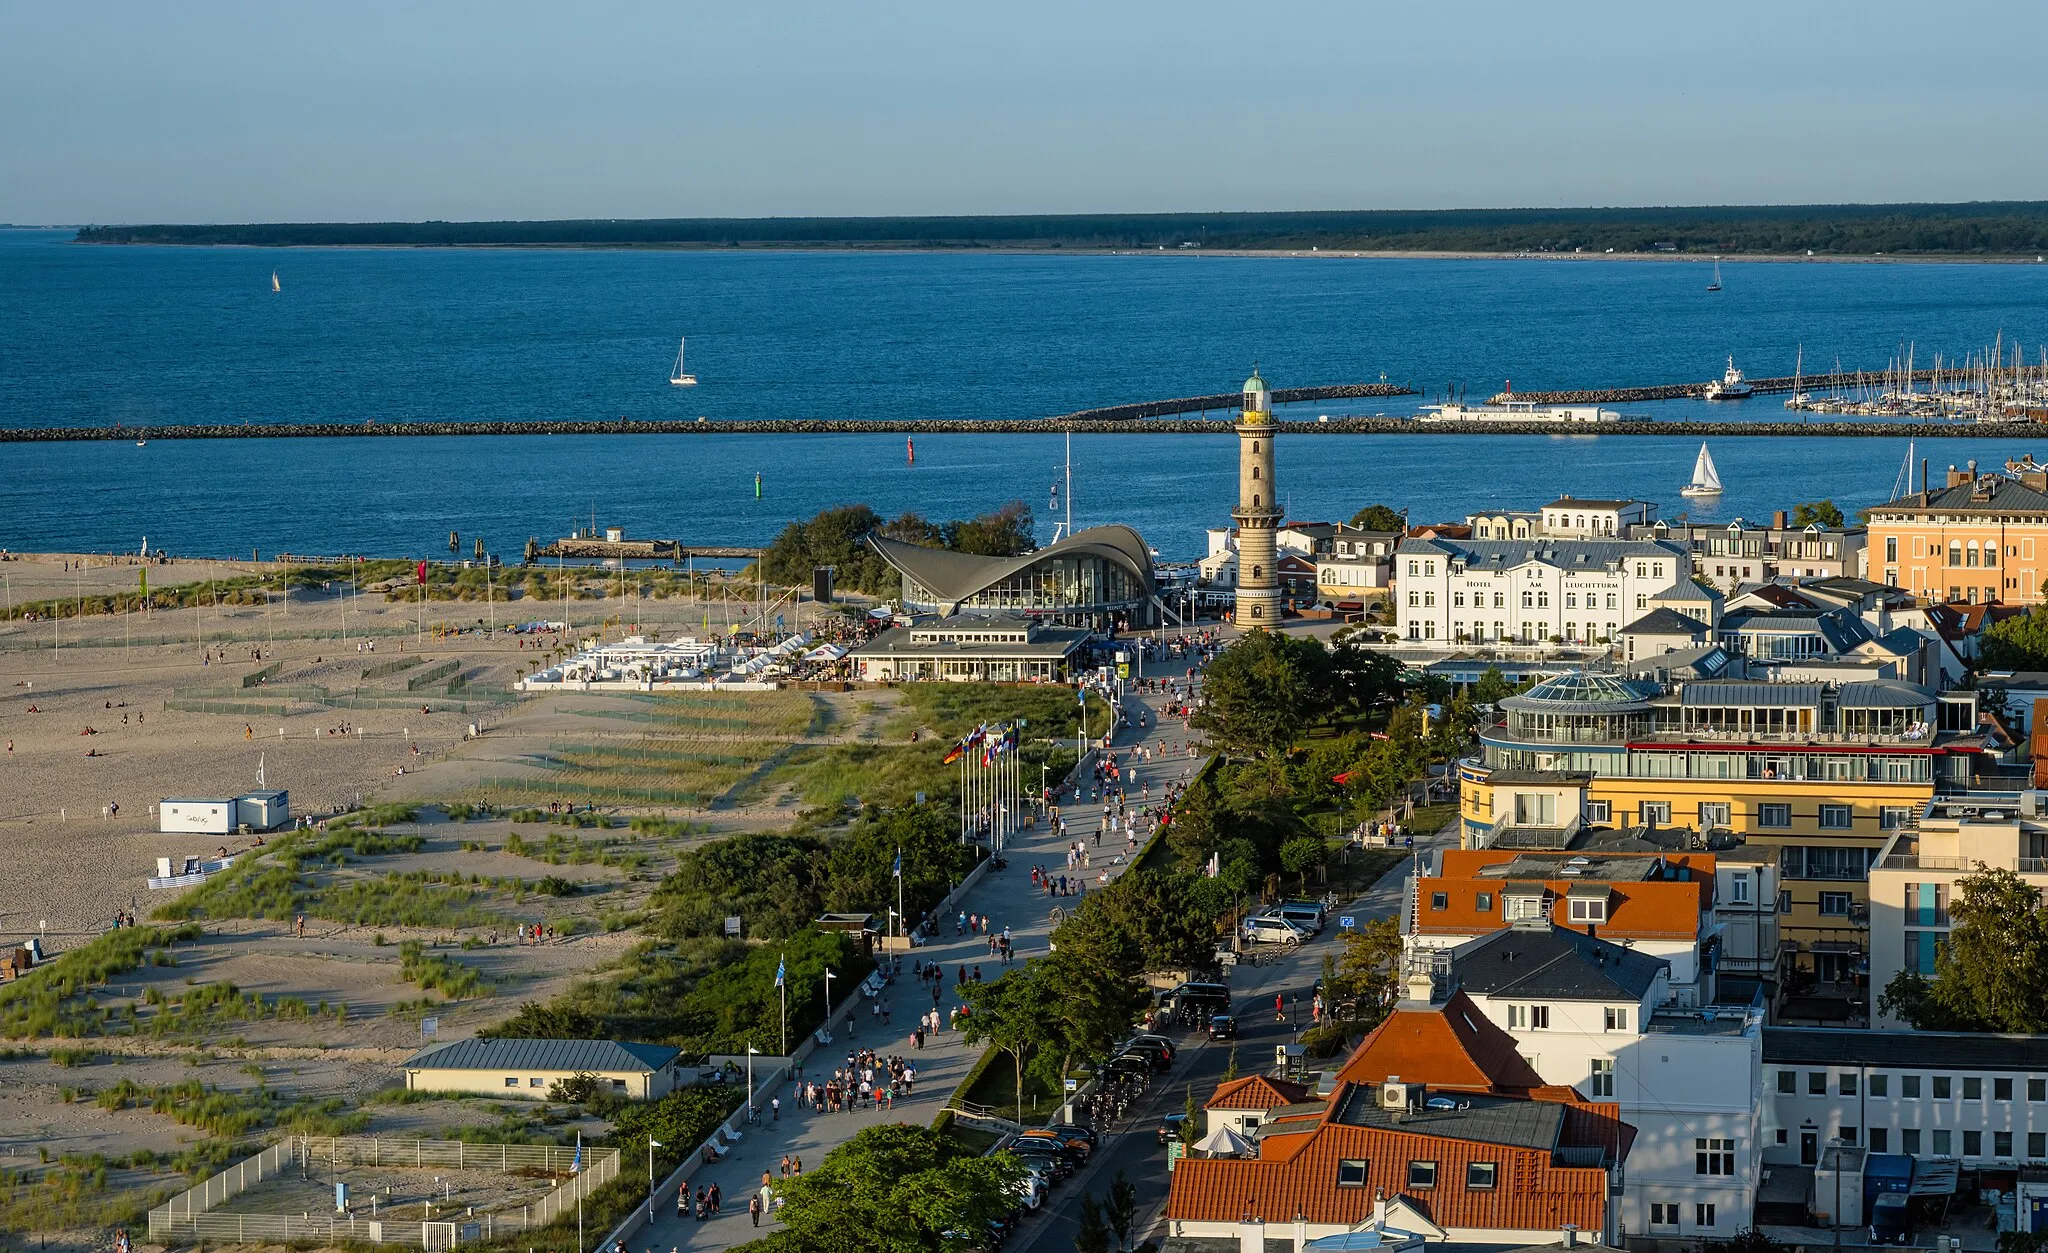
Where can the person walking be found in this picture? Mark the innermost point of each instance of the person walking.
(775, 1109)
(754, 1209)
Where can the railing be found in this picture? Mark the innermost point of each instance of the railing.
(191, 1214)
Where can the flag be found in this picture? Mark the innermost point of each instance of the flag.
(1212, 869)
(954, 754)
(1341, 780)
(421, 574)
(781, 971)
(653, 1143)
(898, 871)
(576, 1164)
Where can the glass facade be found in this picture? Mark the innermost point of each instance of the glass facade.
(1079, 583)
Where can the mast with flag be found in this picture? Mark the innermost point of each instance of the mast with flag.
(898, 872)
(782, 989)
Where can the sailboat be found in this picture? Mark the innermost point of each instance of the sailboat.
(1716, 284)
(273, 282)
(1705, 480)
(679, 376)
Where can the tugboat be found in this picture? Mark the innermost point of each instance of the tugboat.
(1732, 385)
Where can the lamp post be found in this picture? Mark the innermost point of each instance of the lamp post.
(751, 1050)
(652, 1144)
(829, 976)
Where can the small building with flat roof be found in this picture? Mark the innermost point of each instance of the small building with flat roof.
(529, 1068)
(972, 647)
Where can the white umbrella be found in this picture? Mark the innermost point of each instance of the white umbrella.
(1223, 1142)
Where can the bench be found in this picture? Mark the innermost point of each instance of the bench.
(871, 987)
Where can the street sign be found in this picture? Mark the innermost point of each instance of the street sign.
(1347, 922)
(429, 1028)
(732, 926)
(1073, 1085)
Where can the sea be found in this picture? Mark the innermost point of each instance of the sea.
(96, 335)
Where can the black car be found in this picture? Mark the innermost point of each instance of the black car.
(1127, 1064)
(1075, 1131)
(1222, 1027)
(1156, 1057)
(1169, 1128)
(1159, 1041)
(1054, 1165)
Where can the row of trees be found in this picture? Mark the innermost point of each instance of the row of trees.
(837, 537)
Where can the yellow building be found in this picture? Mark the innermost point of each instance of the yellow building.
(1823, 774)
(1978, 538)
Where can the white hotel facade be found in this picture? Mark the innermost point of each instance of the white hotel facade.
(1530, 590)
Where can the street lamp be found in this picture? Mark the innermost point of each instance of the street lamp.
(652, 1144)
(751, 1050)
(825, 1027)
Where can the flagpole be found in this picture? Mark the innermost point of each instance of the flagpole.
(899, 890)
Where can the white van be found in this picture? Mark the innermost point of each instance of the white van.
(1272, 929)
(1308, 917)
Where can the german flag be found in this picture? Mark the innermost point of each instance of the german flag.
(954, 754)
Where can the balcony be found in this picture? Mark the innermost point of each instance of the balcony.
(1965, 865)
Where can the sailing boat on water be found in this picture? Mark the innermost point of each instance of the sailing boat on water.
(1716, 284)
(1706, 481)
(679, 376)
(273, 282)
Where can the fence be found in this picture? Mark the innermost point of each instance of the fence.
(191, 1214)
(427, 677)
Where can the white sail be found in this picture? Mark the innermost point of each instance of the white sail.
(1705, 480)
(679, 376)
(273, 281)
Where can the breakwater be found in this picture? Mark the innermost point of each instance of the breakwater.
(1030, 426)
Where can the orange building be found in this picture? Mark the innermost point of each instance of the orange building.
(1435, 1128)
(1980, 538)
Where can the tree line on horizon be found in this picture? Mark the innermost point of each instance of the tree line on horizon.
(1987, 228)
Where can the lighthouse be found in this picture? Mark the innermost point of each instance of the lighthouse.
(1258, 510)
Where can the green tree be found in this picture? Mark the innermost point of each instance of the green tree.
(893, 1189)
(1817, 513)
(1148, 920)
(1365, 680)
(1018, 1014)
(1379, 518)
(1369, 973)
(1262, 690)
(1302, 854)
(2019, 642)
(1121, 1209)
(1492, 687)
(1093, 1236)
(1991, 973)
(1008, 532)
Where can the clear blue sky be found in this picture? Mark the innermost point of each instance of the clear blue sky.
(119, 111)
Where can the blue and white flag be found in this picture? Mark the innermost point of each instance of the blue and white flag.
(897, 872)
(576, 1165)
(779, 971)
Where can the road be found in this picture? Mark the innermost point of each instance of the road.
(1009, 899)
(1200, 1065)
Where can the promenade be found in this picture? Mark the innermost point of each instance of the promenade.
(1009, 900)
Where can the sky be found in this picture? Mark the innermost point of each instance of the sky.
(125, 111)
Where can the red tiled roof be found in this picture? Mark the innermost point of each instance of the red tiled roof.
(1657, 909)
(1449, 1046)
(1257, 1092)
(1529, 1191)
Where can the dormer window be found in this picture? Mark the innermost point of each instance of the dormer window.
(1524, 906)
(1588, 904)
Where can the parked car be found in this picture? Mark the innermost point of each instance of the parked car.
(1274, 929)
(1156, 1056)
(1169, 1128)
(1075, 1131)
(1075, 1151)
(1197, 997)
(1307, 914)
(1172, 1050)
(1222, 1027)
(1052, 1164)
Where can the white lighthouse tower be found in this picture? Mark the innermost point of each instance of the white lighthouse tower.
(1258, 510)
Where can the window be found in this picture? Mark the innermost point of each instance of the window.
(1715, 814)
(1816, 1083)
(1703, 1214)
(1422, 1174)
(511, 1081)
(1835, 818)
(1657, 813)
(1480, 1176)
(1663, 1215)
(1973, 1144)
(1909, 1140)
(2037, 1144)
(1352, 1172)
(1597, 811)
(1788, 1082)
(1891, 548)
(1909, 1087)
(1880, 1139)
(1973, 1088)
(1848, 1135)
(2037, 1089)
(2001, 1144)
(1774, 815)
(1880, 1086)
(1738, 887)
(1584, 910)
(618, 1085)
(1943, 1088)
(1713, 1157)
(1539, 1018)
(1617, 1018)
(1525, 907)
(1483, 902)
(1836, 904)
(1602, 1081)
(1846, 1084)
(1892, 817)
(1439, 900)
(536, 1083)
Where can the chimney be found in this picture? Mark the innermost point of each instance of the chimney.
(1421, 988)
(1956, 478)
(1923, 480)
(1571, 1237)
(1778, 520)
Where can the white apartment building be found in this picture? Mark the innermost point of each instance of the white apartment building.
(1977, 1099)
(1530, 591)
(1567, 517)
(1596, 1016)
(1913, 880)
(1357, 563)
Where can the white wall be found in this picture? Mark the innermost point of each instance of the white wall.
(1438, 604)
(1894, 1113)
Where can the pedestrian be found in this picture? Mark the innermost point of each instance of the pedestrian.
(715, 1197)
(754, 1209)
(775, 1109)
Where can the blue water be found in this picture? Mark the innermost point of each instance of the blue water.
(90, 336)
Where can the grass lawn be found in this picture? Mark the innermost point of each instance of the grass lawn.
(994, 1087)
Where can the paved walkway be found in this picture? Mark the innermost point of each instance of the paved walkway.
(1009, 899)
